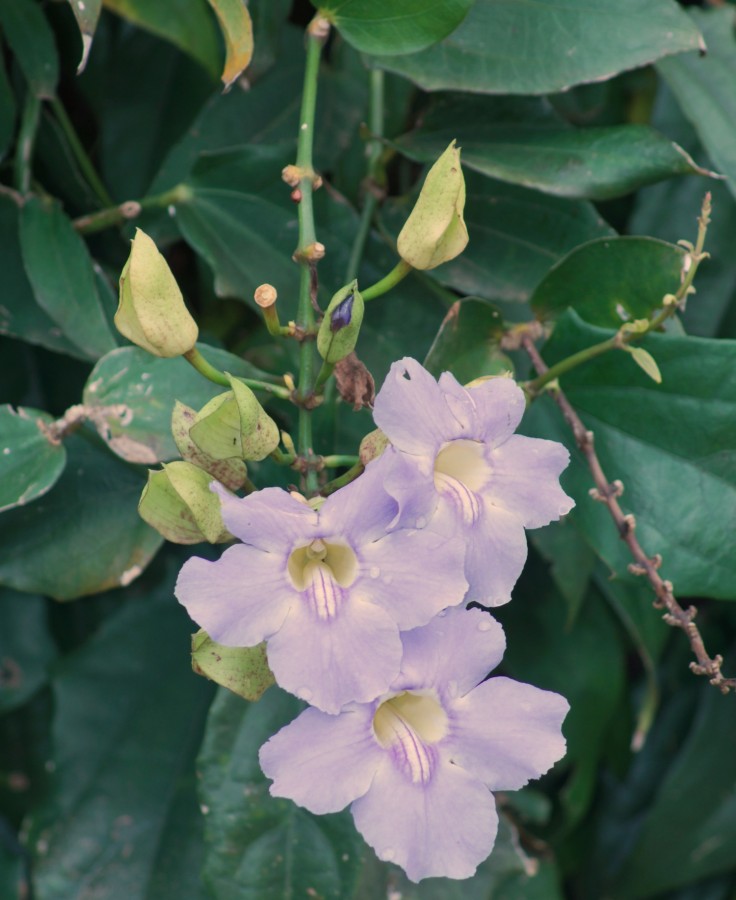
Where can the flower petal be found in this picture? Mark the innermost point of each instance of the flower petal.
(495, 555)
(411, 411)
(525, 479)
(499, 406)
(452, 654)
(443, 828)
(413, 575)
(353, 655)
(410, 481)
(506, 732)
(240, 599)
(323, 762)
(270, 519)
(362, 510)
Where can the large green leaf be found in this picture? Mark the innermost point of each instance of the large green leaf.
(86, 12)
(611, 280)
(127, 720)
(130, 396)
(524, 142)
(7, 113)
(261, 848)
(673, 445)
(702, 85)
(85, 535)
(61, 273)
(30, 460)
(25, 28)
(514, 47)
(378, 26)
(26, 647)
(515, 236)
(237, 30)
(467, 343)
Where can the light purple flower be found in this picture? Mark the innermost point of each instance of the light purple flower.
(329, 590)
(419, 763)
(456, 461)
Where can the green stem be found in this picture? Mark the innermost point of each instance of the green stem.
(131, 209)
(322, 376)
(79, 153)
(26, 141)
(205, 368)
(339, 459)
(399, 271)
(354, 472)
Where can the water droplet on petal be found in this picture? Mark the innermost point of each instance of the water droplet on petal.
(374, 572)
(485, 625)
(442, 614)
(421, 522)
(388, 854)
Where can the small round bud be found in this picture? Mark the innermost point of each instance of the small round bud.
(292, 175)
(338, 331)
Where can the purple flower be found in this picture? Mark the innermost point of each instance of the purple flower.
(328, 589)
(419, 763)
(456, 461)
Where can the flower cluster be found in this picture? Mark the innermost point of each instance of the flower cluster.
(361, 600)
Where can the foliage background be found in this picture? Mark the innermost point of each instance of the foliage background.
(122, 774)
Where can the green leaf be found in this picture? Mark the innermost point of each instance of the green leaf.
(259, 847)
(61, 273)
(26, 648)
(31, 461)
(127, 721)
(130, 397)
(646, 362)
(523, 142)
(237, 30)
(668, 443)
(515, 236)
(514, 47)
(242, 670)
(7, 113)
(86, 12)
(702, 83)
(467, 343)
(90, 517)
(571, 562)
(610, 281)
(26, 30)
(377, 26)
(187, 24)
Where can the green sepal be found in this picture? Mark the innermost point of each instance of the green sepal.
(242, 670)
(338, 332)
(230, 472)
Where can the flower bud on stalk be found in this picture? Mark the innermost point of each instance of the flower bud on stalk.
(151, 312)
(338, 333)
(435, 231)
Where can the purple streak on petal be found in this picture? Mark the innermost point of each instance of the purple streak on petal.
(362, 510)
(410, 481)
(354, 655)
(525, 479)
(411, 411)
(323, 762)
(499, 404)
(452, 654)
(496, 553)
(413, 575)
(239, 600)
(506, 732)
(443, 828)
(269, 519)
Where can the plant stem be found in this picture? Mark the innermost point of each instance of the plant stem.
(354, 472)
(131, 209)
(399, 271)
(333, 462)
(79, 153)
(26, 141)
(205, 368)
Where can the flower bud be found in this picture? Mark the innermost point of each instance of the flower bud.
(178, 503)
(435, 231)
(372, 446)
(234, 424)
(151, 312)
(338, 332)
(242, 670)
(230, 472)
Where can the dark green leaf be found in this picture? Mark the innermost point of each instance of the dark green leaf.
(261, 848)
(25, 28)
(86, 12)
(611, 280)
(26, 647)
(702, 85)
(673, 445)
(130, 397)
(85, 535)
(467, 343)
(127, 721)
(377, 26)
(524, 142)
(269, 18)
(571, 562)
(60, 270)
(242, 670)
(31, 461)
(7, 113)
(513, 47)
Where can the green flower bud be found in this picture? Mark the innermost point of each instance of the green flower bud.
(178, 503)
(372, 446)
(151, 312)
(242, 670)
(338, 332)
(435, 231)
(230, 472)
(234, 424)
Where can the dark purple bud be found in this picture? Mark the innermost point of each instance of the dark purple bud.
(342, 314)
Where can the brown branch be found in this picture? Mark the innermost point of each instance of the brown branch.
(608, 492)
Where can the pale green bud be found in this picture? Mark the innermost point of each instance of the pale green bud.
(151, 312)
(242, 670)
(372, 446)
(435, 231)
(230, 472)
(338, 332)
(234, 424)
(178, 503)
